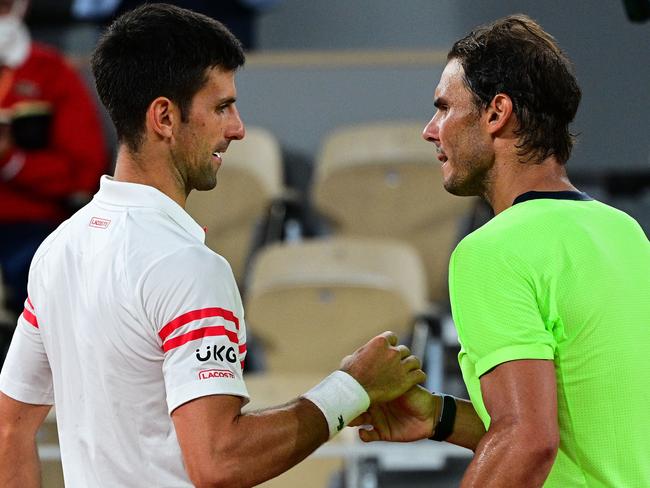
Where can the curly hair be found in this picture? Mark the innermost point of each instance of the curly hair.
(515, 56)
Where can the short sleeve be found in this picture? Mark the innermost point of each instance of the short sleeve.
(495, 307)
(26, 374)
(191, 299)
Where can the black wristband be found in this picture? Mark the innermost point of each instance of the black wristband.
(447, 417)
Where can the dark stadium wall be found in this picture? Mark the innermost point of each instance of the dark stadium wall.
(610, 53)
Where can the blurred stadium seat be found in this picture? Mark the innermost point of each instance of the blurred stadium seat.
(315, 301)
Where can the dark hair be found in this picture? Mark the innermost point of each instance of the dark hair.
(158, 50)
(515, 56)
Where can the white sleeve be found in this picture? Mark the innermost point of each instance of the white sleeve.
(192, 300)
(26, 374)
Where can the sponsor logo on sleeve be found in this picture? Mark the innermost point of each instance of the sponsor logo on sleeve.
(207, 374)
(218, 353)
(99, 223)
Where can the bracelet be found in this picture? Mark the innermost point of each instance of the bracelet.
(341, 399)
(445, 425)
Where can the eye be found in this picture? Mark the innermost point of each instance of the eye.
(223, 107)
(440, 106)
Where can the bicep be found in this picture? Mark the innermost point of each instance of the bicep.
(20, 417)
(216, 411)
(204, 426)
(523, 394)
(26, 375)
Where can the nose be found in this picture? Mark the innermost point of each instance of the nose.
(430, 132)
(236, 130)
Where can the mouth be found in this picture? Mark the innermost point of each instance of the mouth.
(442, 157)
(218, 155)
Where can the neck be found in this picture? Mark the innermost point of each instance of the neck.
(511, 178)
(139, 168)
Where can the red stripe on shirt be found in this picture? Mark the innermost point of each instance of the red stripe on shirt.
(242, 350)
(30, 317)
(31, 305)
(198, 334)
(203, 313)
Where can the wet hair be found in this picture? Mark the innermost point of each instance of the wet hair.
(158, 50)
(515, 56)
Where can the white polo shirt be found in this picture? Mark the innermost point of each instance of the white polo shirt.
(129, 316)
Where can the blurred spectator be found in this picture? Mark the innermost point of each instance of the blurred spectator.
(239, 16)
(52, 148)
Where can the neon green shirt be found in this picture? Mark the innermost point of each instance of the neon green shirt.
(561, 277)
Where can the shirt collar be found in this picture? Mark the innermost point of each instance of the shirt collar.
(555, 195)
(136, 195)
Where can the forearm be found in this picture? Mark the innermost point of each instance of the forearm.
(278, 438)
(509, 456)
(262, 445)
(19, 464)
(468, 428)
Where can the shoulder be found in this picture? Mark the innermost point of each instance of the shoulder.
(196, 257)
(188, 268)
(187, 278)
(507, 245)
(524, 228)
(495, 236)
(151, 232)
(614, 214)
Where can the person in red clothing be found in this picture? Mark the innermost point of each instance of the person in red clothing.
(52, 149)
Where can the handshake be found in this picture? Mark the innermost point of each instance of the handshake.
(386, 399)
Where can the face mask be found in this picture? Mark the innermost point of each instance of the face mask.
(14, 37)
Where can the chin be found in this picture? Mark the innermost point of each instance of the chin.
(205, 183)
(459, 189)
(454, 190)
(206, 186)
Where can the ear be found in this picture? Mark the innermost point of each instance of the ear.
(162, 115)
(498, 113)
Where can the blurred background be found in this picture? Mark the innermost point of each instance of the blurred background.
(333, 182)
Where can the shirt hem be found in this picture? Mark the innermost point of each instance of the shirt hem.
(191, 392)
(25, 395)
(513, 353)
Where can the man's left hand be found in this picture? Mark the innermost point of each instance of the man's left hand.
(407, 418)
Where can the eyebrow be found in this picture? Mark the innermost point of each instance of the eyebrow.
(227, 101)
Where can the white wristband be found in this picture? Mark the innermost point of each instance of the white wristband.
(341, 399)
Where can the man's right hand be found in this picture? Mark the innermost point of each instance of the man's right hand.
(385, 369)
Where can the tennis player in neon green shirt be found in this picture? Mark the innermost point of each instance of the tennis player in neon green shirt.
(551, 298)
